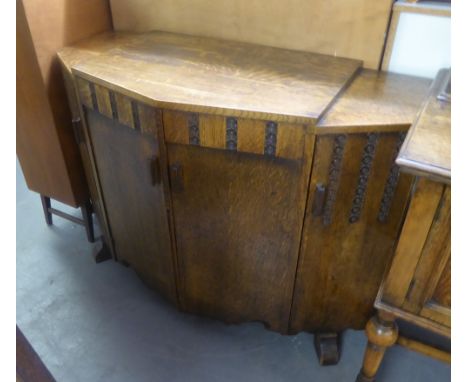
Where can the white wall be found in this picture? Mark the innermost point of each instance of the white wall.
(421, 46)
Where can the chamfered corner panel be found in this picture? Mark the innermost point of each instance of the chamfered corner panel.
(348, 237)
(134, 199)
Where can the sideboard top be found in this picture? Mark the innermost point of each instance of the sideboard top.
(376, 99)
(213, 76)
(427, 148)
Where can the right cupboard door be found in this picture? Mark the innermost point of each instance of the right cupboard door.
(356, 203)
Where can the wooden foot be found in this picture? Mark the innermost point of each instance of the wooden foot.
(87, 212)
(102, 254)
(382, 332)
(327, 346)
(45, 206)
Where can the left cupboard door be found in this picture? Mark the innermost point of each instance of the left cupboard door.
(127, 153)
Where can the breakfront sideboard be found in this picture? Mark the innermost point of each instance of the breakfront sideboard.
(243, 182)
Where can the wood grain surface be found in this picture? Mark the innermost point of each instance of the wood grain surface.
(38, 143)
(135, 203)
(54, 24)
(376, 100)
(351, 28)
(221, 77)
(238, 221)
(427, 149)
(342, 261)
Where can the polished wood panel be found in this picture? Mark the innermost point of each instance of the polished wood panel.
(427, 150)
(337, 279)
(221, 77)
(47, 147)
(238, 220)
(38, 144)
(134, 199)
(351, 28)
(376, 100)
(425, 202)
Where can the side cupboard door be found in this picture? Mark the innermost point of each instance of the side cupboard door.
(239, 191)
(356, 204)
(130, 161)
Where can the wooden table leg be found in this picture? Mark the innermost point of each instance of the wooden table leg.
(45, 206)
(382, 332)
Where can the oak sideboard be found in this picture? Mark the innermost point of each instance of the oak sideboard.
(244, 182)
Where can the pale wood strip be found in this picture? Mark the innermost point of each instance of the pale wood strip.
(212, 131)
(176, 127)
(103, 100)
(250, 135)
(412, 239)
(147, 115)
(424, 349)
(84, 91)
(290, 141)
(124, 109)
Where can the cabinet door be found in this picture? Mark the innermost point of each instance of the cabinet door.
(356, 203)
(127, 150)
(238, 191)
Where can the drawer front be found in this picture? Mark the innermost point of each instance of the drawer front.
(238, 191)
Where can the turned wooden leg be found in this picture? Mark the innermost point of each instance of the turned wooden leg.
(45, 206)
(327, 347)
(382, 332)
(87, 212)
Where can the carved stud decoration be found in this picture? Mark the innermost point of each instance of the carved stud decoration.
(271, 130)
(231, 133)
(92, 90)
(194, 131)
(334, 178)
(113, 104)
(364, 172)
(136, 116)
(391, 183)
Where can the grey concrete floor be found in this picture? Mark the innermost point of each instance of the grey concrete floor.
(99, 323)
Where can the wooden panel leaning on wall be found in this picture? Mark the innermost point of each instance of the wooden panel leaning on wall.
(351, 28)
(46, 146)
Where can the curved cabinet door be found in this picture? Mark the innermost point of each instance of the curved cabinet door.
(238, 192)
(356, 204)
(127, 154)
